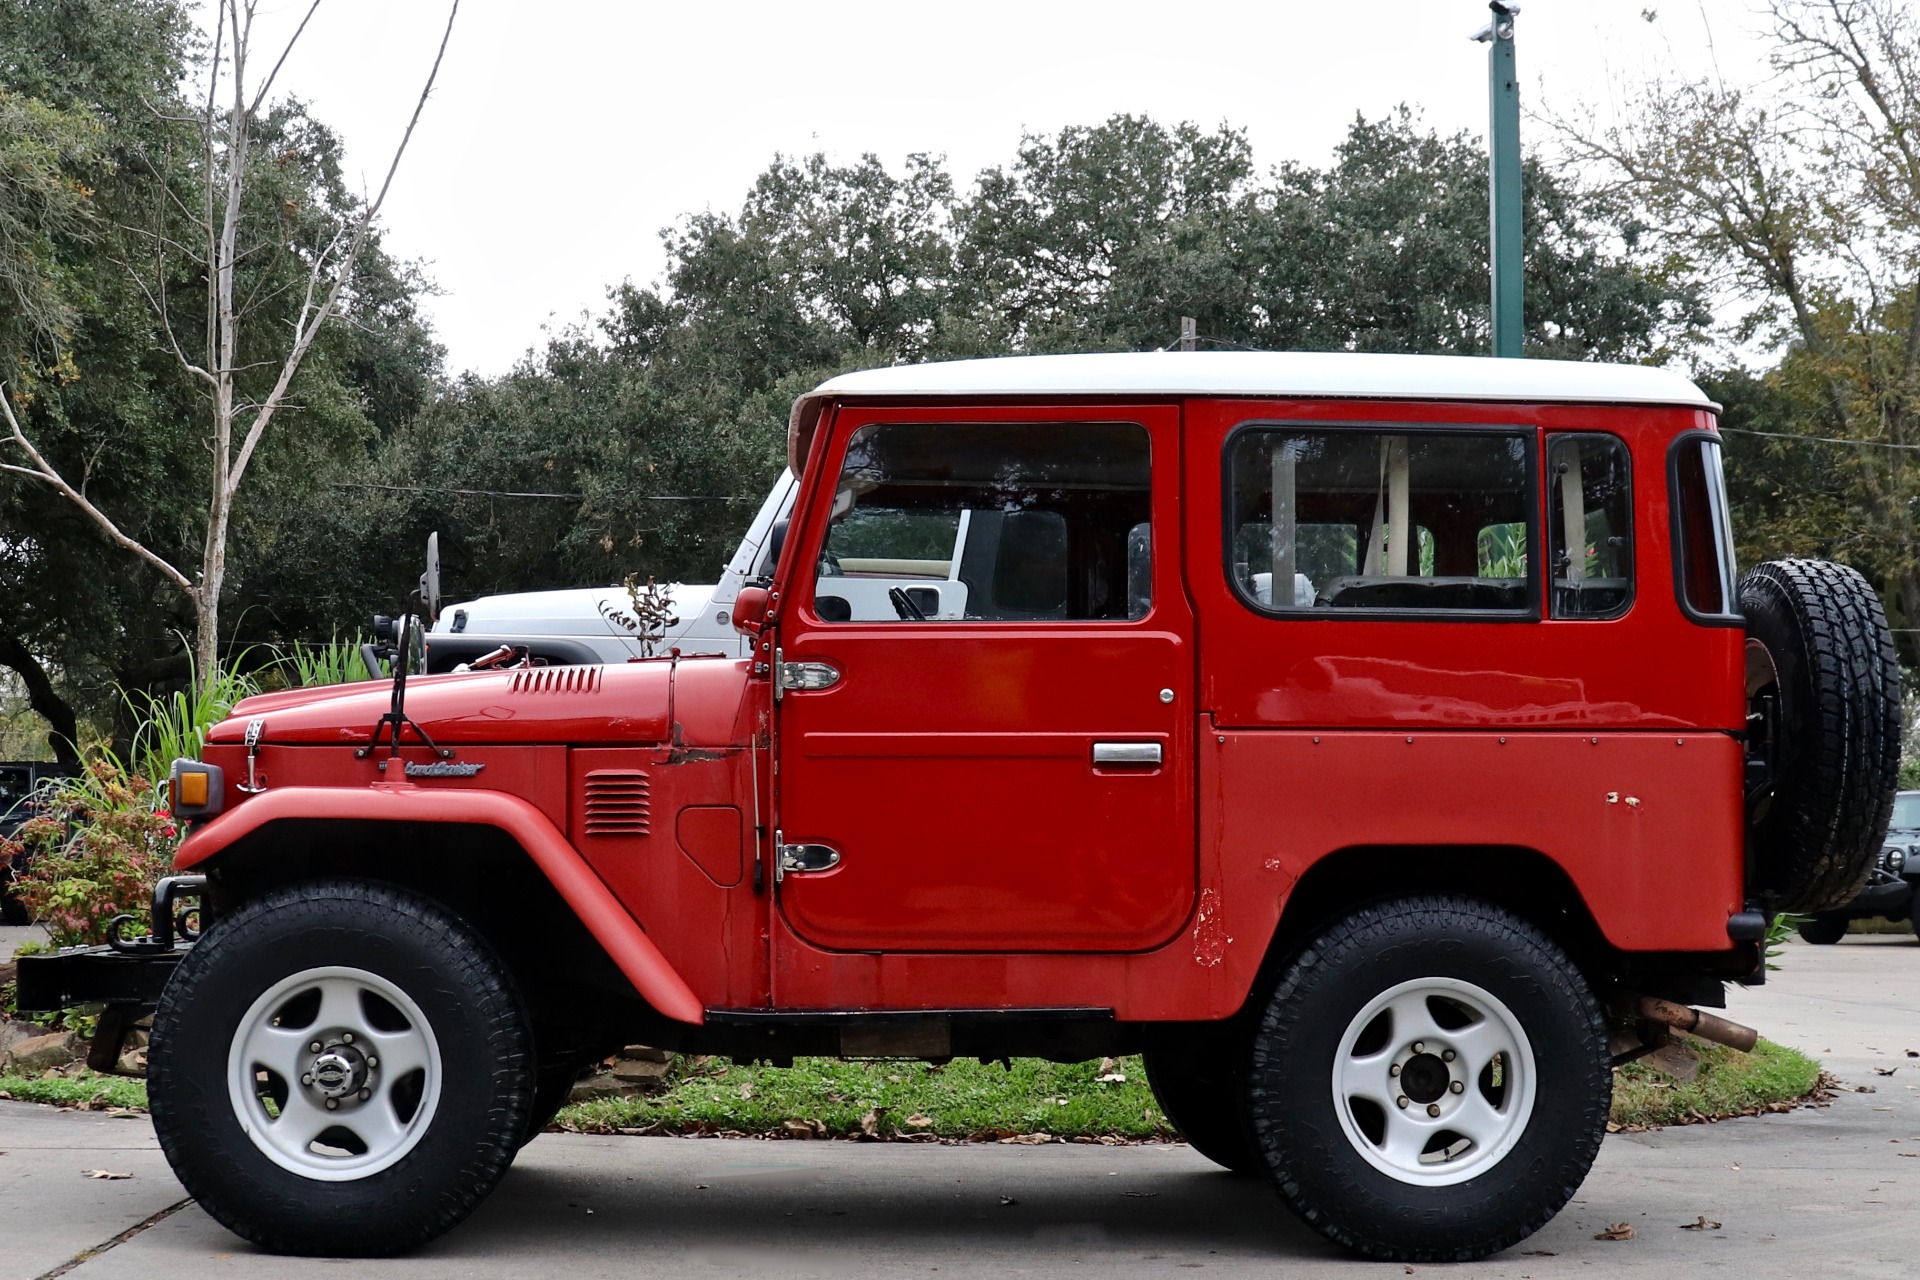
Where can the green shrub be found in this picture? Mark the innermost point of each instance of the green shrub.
(338, 661)
(95, 848)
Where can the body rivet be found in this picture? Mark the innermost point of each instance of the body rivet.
(1166, 695)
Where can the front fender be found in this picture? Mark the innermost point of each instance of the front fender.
(610, 924)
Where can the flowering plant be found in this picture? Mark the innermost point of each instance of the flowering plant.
(93, 850)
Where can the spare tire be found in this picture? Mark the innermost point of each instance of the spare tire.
(1823, 688)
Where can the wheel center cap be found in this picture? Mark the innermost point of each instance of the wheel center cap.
(1424, 1078)
(339, 1071)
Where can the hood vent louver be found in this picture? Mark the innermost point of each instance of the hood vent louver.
(619, 803)
(556, 680)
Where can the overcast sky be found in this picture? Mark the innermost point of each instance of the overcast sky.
(563, 135)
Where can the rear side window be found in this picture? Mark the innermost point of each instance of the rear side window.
(1704, 571)
(1589, 526)
(1362, 519)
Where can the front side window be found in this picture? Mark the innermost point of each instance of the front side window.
(1702, 531)
(1589, 526)
(1323, 520)
(1027, 521)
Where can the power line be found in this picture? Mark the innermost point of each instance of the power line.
(509, 493)
(1789, 435)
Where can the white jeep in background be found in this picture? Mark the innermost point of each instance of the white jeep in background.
(971, 566)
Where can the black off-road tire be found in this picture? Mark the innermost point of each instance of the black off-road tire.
(1204, 1093)
(1321, 1174)
(475, 1016)
(1836, 749)
(552, 1086)
(1822, 931)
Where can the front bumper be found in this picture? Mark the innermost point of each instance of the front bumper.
(56, 980)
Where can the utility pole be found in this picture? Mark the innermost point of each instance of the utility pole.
(1189, 334)
(1503, 174)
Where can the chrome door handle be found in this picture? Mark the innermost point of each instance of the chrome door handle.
(1126, 753)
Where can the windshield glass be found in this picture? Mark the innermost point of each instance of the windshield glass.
(1906, 810)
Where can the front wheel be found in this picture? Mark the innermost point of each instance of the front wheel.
(1430, 1081)
(339, 1069)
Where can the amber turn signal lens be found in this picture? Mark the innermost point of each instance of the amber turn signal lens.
(189, 790)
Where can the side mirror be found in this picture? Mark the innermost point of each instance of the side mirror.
(750, 610)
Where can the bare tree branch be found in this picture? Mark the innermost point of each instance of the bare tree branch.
(44, 472)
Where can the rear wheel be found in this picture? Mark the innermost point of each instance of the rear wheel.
(1430, 1081)
(1201, 1093)
(339, 1068)
(1823, 931)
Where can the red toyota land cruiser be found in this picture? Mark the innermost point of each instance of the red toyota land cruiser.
(1382, 745)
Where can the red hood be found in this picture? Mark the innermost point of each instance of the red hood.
(626, 703)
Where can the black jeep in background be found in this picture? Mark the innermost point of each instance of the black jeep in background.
(1892, 891)
(18, 783)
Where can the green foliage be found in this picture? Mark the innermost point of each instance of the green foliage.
(95, 847)
(307, 666)
(175, 726)
(963, 1099)
(1730, 1083)
(83, 1089)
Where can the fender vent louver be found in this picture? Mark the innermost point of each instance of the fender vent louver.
(556, 680)
(618, 803)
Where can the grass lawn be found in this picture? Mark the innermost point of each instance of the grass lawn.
(1090, 1101)
(1729, 1084)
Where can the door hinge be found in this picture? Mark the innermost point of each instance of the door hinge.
(804, 677)
(807, 857)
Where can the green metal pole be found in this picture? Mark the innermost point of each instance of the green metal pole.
(1503, 172)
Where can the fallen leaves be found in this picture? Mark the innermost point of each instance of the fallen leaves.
(1617, 1231)
(104, 1175)
(1702, 1223)
(1884, 1071)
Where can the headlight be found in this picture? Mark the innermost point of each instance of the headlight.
(195, 790)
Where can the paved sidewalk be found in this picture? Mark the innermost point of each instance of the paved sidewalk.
(1815, 1192)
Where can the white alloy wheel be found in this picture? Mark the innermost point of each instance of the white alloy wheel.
(1434, 1081)
(334, 1074)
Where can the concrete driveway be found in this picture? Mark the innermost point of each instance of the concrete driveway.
(1821, 1191)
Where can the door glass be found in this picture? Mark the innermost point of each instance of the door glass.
(1027, 521)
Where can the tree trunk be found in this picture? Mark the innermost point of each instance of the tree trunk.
(63, 735)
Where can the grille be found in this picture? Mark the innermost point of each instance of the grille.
(618, 803)
(556, 680)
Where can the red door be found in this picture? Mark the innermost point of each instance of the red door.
(1019, 778)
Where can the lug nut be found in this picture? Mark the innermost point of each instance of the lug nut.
(1419, 1046)
(315, 1047)
(346, 1037)
(1433, 1108)
(373, 1062)
(1401, 1102)
(1394, 1070)
(365, 1094)
(307, 1079)
(333, 1104)
(1448, 1055)
(1457, 1087)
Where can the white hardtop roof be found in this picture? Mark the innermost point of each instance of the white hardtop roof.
(1291, 374)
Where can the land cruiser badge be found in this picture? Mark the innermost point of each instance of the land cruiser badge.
(442, 769)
